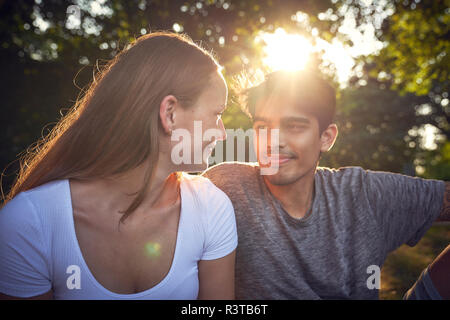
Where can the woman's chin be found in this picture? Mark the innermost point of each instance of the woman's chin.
(194, 167)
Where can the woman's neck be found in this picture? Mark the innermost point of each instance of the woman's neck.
(118, 192)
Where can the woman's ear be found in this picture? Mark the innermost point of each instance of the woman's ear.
(167, 113)
(328, 137)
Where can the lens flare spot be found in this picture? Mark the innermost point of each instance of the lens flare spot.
(153, 249)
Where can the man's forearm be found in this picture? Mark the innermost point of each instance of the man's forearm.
(445, 212)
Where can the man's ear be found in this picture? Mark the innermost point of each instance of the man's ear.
(167, 113)
(328, 137)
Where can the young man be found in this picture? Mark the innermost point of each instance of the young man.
(307, 232)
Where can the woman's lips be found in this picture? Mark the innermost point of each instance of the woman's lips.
(209, 148)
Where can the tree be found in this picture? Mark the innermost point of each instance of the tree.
(373, 128)
(415, 60)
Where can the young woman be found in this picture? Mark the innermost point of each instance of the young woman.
(100, 210)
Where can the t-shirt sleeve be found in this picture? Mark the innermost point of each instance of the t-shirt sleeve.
(220, 225)
(24, 270)
(405, 207)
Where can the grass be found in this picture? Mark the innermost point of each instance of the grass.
(404, 265)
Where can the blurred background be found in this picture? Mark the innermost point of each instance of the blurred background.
(388, 60)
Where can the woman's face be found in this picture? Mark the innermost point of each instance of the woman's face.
(199, 127)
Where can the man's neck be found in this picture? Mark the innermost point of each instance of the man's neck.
(296, 198)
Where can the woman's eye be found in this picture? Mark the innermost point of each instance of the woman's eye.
(261, 126)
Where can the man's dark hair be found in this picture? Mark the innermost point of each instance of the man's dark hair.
(304, 88)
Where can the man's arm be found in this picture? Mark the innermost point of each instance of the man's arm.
(445, 212)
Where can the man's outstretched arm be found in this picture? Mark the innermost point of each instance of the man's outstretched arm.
(445, 212)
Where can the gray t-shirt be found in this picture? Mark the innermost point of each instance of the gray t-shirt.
(357, 217)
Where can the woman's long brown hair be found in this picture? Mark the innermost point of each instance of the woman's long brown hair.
(114, 126)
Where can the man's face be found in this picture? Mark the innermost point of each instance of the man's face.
(299, 144)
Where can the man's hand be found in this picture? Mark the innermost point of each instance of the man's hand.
(445, 212)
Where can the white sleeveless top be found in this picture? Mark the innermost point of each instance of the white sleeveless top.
(39, 250)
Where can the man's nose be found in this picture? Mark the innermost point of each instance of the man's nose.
(276, 139)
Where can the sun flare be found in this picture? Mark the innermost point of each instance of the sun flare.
(285, 51)
(291, 52)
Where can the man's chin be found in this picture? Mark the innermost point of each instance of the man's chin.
(279, 180)
(281, 177)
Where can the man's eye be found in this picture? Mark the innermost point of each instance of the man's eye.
(295, 127)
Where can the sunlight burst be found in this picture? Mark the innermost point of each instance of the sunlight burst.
(285, 51)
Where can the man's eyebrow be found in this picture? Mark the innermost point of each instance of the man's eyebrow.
(295, 119)
(284, 120)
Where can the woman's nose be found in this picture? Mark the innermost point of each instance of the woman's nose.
(223, 132)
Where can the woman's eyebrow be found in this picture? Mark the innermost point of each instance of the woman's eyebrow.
(260, 119)
(222, 107)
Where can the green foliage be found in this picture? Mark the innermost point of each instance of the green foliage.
(436, 163)
(417, 46)
(415, 60)
(373, 126)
